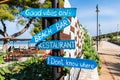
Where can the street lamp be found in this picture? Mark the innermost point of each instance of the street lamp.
(97, 10)
(99, 33)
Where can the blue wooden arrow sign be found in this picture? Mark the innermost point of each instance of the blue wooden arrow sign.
(71, 62)
(57, 44)
(49, 12)
(50, 31)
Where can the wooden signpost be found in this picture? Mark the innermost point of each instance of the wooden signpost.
(57, 44)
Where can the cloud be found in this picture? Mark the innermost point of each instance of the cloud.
(85, 13)
(104, 11)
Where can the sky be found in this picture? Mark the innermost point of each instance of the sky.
(12, 28)
(109, 16)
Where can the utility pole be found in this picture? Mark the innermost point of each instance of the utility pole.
(97, 10)
(99, 32)
(100, 36)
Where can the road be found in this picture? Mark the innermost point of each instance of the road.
(110, 58)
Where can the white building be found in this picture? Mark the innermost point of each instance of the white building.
(76, 33)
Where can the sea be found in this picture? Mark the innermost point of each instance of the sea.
(18, 44)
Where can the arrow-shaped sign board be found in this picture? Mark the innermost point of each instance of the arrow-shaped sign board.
(50, 31)
(71, 62)
(57, 44)
(49, 12)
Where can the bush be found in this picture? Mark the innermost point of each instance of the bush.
(33, 69)
(1, 57)
(89, 52)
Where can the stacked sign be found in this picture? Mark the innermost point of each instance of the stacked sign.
(57, 44)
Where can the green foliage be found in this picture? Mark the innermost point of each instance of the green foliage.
(10, 11)
(66, 70)
(113, 37)
(21, 21)
(1, 57)
(35, 31)
(23, 4)
(115, 40)
(5, 12)
(48, 4)
(37, 27)
(1, 60)
(33, 69)
(61, 2)
(2, 77)
(88, 51)
(3, 71)
(38, 22)
(109, 35)
(49, 38)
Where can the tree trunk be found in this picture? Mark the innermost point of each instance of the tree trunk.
(5, 45)
(23, 30)
(5, 35)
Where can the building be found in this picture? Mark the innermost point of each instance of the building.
(73, 32)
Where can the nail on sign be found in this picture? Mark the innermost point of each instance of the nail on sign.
(49, 12)
(71, 62)
(57, 44)
(50, 31)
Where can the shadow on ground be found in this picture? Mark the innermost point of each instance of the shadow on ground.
(117, 55)
(110, 54)
(114, 68)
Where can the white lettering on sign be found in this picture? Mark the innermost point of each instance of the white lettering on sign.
(71, 62)
(51, 12)
(57, 62)
(43, 34)
(57, 44)
(50, 31)
(61, 24)
(67, 12)
(86, 65)
(33, 12)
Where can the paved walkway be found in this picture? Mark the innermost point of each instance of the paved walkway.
(88, 74)
(110, 56)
